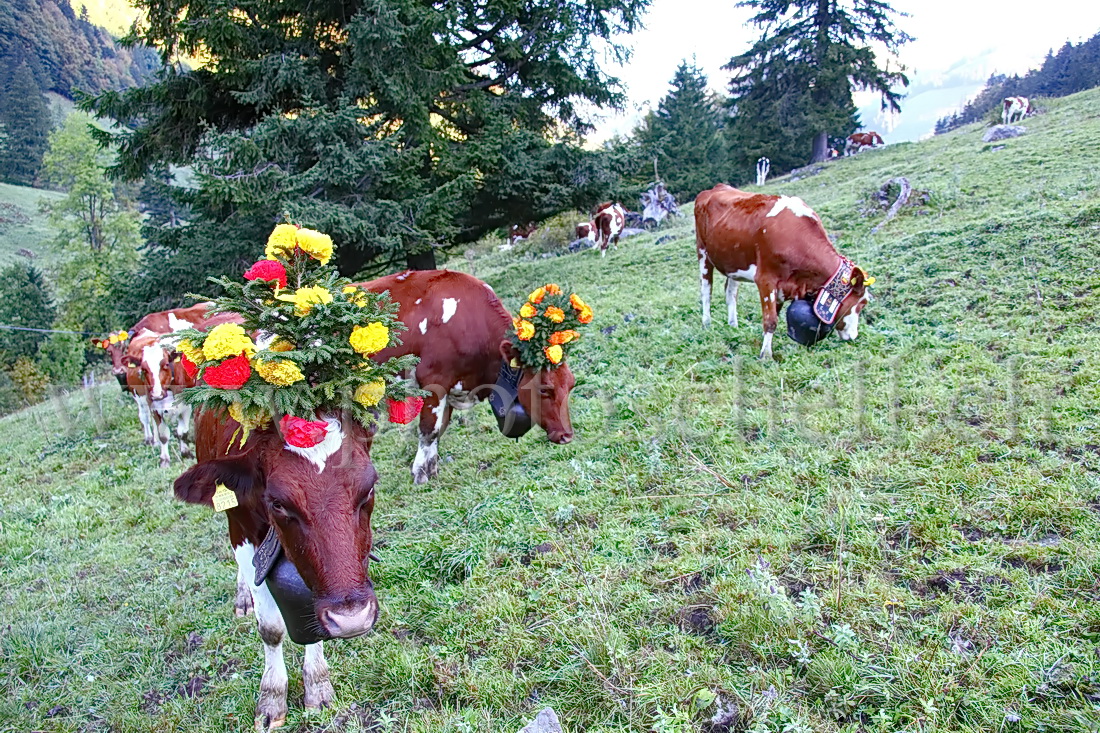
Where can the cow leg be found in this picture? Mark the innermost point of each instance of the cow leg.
(434, 416)
(731, 301)
(183, 429)
(319, 692)
(145, 419)
(271, 707)
(242, 603)
(161, 426)
(706, 279)
(771, 316)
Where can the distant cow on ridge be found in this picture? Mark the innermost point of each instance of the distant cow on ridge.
(861, 140)
(1015, 109)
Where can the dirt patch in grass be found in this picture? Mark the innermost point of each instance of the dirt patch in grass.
(960, 584)
(696, 619)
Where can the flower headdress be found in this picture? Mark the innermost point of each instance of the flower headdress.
(547, 326)
(115, 338)
(319, 334)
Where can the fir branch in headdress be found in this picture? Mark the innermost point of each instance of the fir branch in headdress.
(546, 327)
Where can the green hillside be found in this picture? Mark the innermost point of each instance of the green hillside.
(897, 534)
(22, 225)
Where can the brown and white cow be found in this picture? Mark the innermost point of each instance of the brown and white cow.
(861, 140)
(318, 503)
(458, 327)
(607, 224)
(777, 242)
(1015, 109)
(517, 232)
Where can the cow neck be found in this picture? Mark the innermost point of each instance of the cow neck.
(812, 274)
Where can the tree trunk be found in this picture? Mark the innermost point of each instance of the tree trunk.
(421, 260)
(821, 147)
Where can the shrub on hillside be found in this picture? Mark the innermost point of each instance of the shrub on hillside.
(30, 380)
(61, 358)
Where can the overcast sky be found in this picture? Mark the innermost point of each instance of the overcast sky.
(983, 36)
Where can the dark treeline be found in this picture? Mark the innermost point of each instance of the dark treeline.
(1073, 69)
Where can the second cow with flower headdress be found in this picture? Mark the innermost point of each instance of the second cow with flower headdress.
(471, 350)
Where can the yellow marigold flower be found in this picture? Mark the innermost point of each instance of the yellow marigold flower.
(369, 339)
(236, 411)
(281, 372)
(282, 241)
(355, 295)
(371, 393)
(123, 335)
(527, 311)
(563, 337)
(315, 244)
(193, 353)
(227, 339)
(555, 314)
(554, 353)
(279, 346)
(537, 295)
(525, 330)
(576, 302)
(305, 298)
(585, 315)
(552, 289)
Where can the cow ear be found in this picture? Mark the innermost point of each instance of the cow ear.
(508, 351)
(131, 361)
(859, 278)
(198, 483)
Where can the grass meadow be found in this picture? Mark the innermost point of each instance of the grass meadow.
(22, 224)
(896, 534)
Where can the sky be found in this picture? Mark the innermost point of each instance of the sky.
(959, 43)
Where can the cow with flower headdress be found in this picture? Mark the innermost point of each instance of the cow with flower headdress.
(283, 436)
(471, 350)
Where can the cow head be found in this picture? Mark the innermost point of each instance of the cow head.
(847, 318)
(319, 500)
(154, 361)
(544, 394)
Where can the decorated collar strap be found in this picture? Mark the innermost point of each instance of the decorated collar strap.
(828, 301)
(547, 326)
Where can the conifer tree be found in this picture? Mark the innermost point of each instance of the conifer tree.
(26, 120)
(813, 53)
(24, 303)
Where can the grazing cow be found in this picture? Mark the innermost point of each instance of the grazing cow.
(1015, 109)
(608, 223)
(861, 140)
(314, 506)
(586, 230)
(459, 329)
(763, 168)
(517, 232)
(779, 243)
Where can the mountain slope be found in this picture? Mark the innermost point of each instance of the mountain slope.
(902, 533)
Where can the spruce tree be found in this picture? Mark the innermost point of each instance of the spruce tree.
(24, 303)
(812, 54)
(26, 120)
(684, 135)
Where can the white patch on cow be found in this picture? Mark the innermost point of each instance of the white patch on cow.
(178, 324)
(731, 300)
(704, 288)
(269, 619)
(459, 398)
(489, 288)
(766, 349)
(793, 204)
(144, 418)
(319, 454)
(152, 356)
(402, 276)
(426, 462)
(424, 326)
(145, 332)
(849, 328)
(264, 339)
(747, 275)
(450, 305)
(315, 677)
(418, 301)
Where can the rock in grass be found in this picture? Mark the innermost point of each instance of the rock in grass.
(1002, 132)
(545, 722)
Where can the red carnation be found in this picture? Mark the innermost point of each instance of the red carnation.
(267, 270)
(230, 374)
(189, 367)
(404, 412)
(302, 433)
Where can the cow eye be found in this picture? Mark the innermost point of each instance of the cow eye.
(281, 509)
(546, 392)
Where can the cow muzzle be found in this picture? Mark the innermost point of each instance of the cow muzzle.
(561, 437)
(348, 619)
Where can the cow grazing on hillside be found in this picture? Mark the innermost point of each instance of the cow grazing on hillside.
(517, 232)
(459, 329)
(608, 223)
(1015, 109)
(779, 243)
(312, 505)
(763, 168)
(861, 140)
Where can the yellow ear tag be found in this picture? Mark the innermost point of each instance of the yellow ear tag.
(514, 363)
(223, 498)
(869, 281)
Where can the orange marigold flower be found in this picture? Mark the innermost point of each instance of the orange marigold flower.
(552, 289)
(576, 302)
(554, 354)
(537, 295)
(585, 315)
(563, 337)
(555, 314)
(527, 311)
(525, 330)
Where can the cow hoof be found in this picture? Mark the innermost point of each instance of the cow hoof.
(165, 462)
(186, 452)
(319, 693)
(242, 607)
(264, 723)
(270, 712)
(150, 441)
